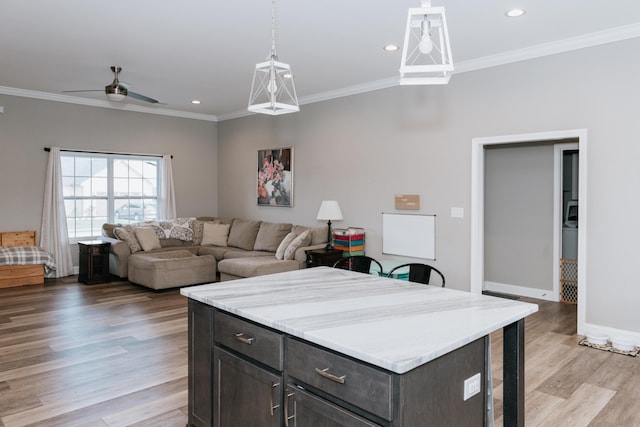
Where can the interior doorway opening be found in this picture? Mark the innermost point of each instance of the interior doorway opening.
(478, 209)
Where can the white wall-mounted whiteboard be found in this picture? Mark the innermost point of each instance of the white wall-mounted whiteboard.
(411, 235)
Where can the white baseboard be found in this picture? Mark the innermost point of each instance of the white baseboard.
(611, 333)
(522, 291)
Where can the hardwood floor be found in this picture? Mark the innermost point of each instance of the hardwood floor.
(116, 355)
(92, 355)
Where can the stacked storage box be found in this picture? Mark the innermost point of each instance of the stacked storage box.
(350, 241)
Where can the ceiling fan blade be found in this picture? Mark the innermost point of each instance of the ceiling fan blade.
(86, 90)
(142, 97)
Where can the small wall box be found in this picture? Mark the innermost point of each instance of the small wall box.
(407, 202)
(350, 241)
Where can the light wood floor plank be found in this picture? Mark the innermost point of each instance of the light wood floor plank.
(581, 407)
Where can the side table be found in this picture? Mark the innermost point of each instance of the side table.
(94, 262)
(322, 257)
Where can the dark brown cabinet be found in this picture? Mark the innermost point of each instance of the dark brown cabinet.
(245, 395)
(323, 257)
(238, 370)
(303, 409)
(94, 261)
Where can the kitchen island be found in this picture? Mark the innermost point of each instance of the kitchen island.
(328, 347)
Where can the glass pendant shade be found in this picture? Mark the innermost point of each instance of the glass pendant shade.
(426, 53)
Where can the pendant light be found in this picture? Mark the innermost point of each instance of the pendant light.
(272, 89)
(426, 53)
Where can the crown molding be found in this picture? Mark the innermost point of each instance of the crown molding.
(574, 43)
(25, 93)
(559, 46)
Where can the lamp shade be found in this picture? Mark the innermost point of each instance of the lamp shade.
(329, 211)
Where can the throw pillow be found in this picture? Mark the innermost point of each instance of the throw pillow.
(301, 240)
(198, 229)
(215, 234)
(147, 238)
(128, 237)
(282, 247)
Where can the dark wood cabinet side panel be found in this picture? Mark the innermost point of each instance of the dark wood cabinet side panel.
(200, 364)
(433, 394)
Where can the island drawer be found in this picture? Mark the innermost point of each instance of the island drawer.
(361, 385)
(254, 341)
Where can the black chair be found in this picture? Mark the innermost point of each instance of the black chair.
(419, 273)
(360, 263)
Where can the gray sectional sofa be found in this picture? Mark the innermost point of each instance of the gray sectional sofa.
(238, 247)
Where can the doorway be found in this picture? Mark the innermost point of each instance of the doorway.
(477, 268)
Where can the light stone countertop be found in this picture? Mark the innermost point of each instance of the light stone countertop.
(392, 324)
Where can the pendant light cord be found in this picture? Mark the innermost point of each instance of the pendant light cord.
(274, 54)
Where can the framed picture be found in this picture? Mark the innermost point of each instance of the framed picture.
(275, 177)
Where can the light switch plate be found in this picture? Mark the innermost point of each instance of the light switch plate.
(457, 212)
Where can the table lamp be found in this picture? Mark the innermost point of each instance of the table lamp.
(329, 210)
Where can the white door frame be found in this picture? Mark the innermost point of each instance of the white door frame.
(477, 205)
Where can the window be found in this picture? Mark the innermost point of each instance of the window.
(101, 188)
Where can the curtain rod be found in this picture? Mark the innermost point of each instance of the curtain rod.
(48, 149)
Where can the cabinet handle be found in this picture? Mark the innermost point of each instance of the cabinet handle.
(240, 337)
(325, 374)
(286, 410)
(273, 387)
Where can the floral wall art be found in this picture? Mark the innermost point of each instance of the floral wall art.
(275, 177)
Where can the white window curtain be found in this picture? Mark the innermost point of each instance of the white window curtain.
(53, 229)
(167, 205)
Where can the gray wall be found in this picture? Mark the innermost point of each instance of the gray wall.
(28, 125)
(519, 215)
(361, 150)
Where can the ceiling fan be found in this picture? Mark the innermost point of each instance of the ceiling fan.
(117, 90)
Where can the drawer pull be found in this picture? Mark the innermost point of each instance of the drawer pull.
(240, 337)
(324, 373)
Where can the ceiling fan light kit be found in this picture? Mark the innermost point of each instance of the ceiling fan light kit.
(272, 90)
(426, 52)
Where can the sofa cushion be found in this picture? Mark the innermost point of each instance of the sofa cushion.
(172, 243)
(243, 233)
(301, 239)
(283, 245)
(255, 266)
(270, 235)
(318, 234)
(215, 234)
(147, 238)
(218, 252)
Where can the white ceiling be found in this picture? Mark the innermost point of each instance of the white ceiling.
(176, 51)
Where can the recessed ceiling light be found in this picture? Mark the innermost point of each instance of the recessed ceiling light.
(195, 101)
(391, 47)
(515, 13)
